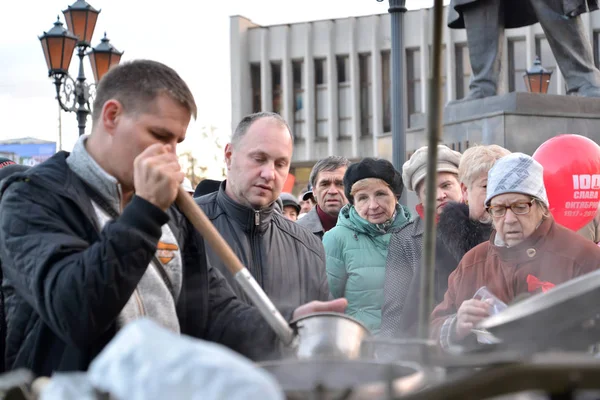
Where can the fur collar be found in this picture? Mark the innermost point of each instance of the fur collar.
(459, 233)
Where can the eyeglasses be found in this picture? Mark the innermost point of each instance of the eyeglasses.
(518, 208)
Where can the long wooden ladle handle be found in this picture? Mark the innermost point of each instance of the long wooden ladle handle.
(190, 209)
(259, 298)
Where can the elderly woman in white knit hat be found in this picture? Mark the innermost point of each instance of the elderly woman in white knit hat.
(527, 253)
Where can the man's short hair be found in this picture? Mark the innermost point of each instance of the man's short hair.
(330, 163)
(248, 120)
(477, 160)
(136, 84)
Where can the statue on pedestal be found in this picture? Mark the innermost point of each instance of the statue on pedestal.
(485, 21)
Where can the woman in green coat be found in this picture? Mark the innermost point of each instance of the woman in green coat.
(357, 246)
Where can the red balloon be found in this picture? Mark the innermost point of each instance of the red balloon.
(572, 178)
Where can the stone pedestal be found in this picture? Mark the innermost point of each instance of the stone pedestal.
(517, 121)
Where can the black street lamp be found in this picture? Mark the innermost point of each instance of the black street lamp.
(397, 10)
(537, 78)
(434, 130)
(75, 95)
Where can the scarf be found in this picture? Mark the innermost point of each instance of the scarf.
(421, 211)
(385, 226)
(327, 220)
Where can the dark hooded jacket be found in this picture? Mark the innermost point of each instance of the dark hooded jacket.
(65, 280)
(456, 235)
(286, 260)
(5, 172)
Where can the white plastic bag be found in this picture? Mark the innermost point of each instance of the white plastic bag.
(69, 386)
(146, 361)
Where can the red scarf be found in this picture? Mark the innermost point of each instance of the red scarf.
(327, 220)
(421, 211)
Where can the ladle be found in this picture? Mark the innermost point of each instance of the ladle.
(259, 298)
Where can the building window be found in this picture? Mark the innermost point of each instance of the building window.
(344, 104)
(386, 90)
(543, 51)
(413, 81)
(297, 67)
(366, 116)
(276, 86)
(321, 104)
(463, 70)
(343, 69)
(517, 65)
(255, 82)
(320, 71)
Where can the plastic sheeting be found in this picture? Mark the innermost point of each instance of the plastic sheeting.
(69, 386)
(146, 361)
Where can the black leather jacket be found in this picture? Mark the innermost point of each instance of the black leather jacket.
(287, 260)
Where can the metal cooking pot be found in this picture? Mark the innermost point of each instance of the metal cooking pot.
(346, 379)
(565, 317)
(392, 349)
(328, 334)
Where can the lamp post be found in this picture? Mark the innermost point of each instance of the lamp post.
(75, 95)
(537, 78)
(397, 10)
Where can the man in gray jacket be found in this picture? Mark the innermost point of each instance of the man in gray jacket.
(286, 260)
(327, 181)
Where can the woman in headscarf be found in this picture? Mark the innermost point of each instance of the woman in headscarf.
(357, 246)
(528, 252)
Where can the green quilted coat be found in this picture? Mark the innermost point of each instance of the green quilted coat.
(356, 255)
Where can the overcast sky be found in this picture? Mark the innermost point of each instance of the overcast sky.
(190, 36)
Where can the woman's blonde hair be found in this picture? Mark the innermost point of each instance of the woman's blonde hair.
(477, 160)
(364, 183)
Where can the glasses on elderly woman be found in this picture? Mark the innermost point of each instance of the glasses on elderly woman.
(518, 208)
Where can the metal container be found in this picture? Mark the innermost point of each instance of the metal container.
(330, 335)
(328, 379)
(566, 317)
(393, 350)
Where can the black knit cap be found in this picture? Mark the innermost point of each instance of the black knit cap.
(373, 168)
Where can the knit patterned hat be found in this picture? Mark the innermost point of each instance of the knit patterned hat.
(516, 173)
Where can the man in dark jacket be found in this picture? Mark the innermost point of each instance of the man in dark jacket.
(91, 240)
(287, 261)
(327, 181)
(7, 168)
